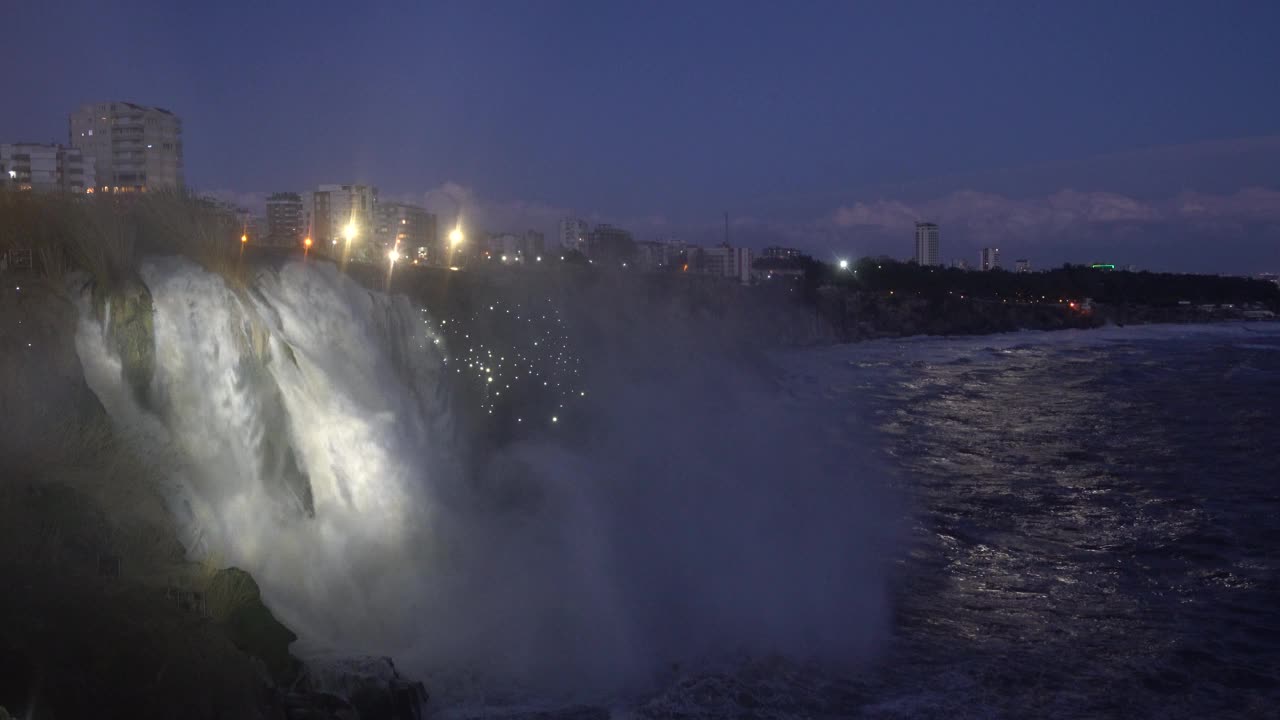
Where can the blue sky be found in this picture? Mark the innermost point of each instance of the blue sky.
(1073, 130)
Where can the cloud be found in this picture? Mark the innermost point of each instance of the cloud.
(888, 214)
(1251, 204)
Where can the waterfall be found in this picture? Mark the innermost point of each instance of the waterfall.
(306, 427)
(304, 423)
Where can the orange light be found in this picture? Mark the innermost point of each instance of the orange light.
(307, 242)
(244, 238)
(685, 268)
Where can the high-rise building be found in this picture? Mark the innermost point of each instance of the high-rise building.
(1022, 266)
(31, 166)
(610, 243)
(574, 234)
(725, 261)
(408, 229)
(990, 259)
(286, 219)
(741, 264)
(337, 208)
(926, 243)
(534, 244)
(135, 148)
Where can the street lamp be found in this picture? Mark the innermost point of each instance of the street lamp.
(844, 264)
(350, 231)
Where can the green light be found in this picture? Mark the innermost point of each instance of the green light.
(1103, 266)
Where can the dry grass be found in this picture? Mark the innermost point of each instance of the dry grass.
(104, 236)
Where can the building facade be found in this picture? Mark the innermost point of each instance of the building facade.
(609, 243)
(574, 234)
(1022, 266)
(535, 244)
(286, 220)
(725, 261)
(990, 258)
(926, 243)
(334, 208)
(135, 148)
(45, 168)
(408, 229)
(780, 253)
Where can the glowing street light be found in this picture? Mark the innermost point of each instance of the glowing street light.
(844, 264)
(349, 232)
(393, 256)
(244, 239)
(455, 236)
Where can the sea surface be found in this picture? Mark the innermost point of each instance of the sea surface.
(1094, 530)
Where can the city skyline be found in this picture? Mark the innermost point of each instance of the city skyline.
(1166, 164)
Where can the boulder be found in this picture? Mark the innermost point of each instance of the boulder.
(234, 600)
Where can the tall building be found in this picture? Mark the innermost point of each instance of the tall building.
(926, 243)
(286, 219)
(650, 255)
(610, 243)
(741, 264)
(990, 259)
(1022, 266)
(409, 229)
(574, 234)
(503, 247)
(534, 244)
(725, 261)
(335, 207)
(31, 166)
(135, 148)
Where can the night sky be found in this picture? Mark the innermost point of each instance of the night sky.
(1130, 132)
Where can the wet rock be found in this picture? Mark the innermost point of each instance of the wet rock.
(373, 685)
(234, 599)
(318, 706)
(127, 314)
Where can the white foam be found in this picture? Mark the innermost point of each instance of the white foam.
(709, 514)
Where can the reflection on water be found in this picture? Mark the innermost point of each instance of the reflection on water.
(1096, 530)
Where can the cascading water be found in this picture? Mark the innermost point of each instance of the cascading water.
(308, 431)
(303, 417)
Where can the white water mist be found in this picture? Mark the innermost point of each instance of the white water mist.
(306, 427)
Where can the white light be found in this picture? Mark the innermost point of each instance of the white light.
(393, 256)
(555, 419)
(844, 264)
(539, 258)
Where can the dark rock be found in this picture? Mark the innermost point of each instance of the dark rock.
(234, 598)
(128, 315)
(373, 685)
